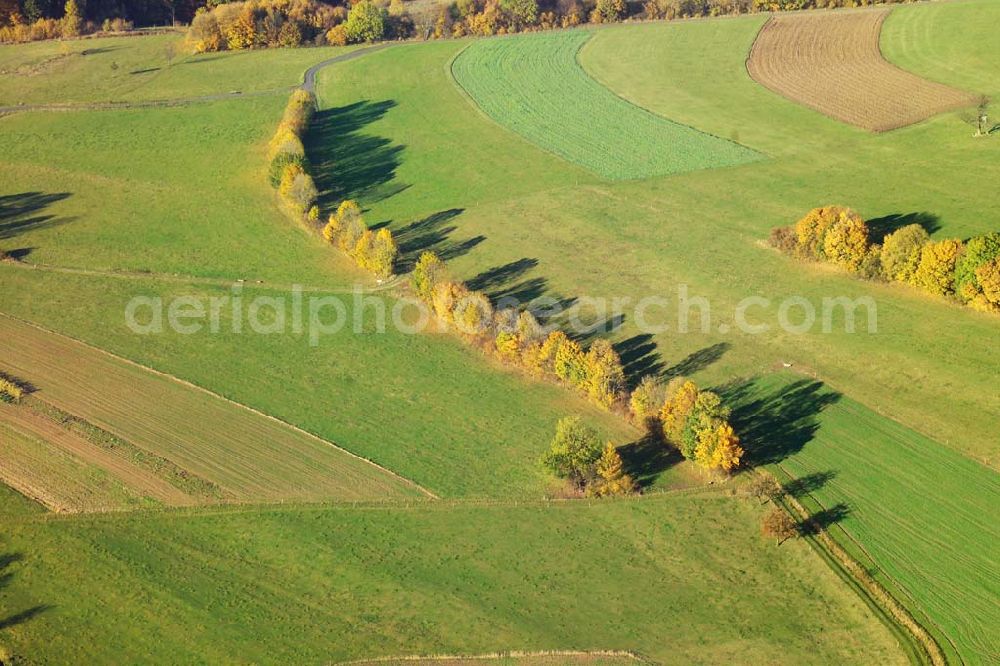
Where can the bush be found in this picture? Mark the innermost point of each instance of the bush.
(979, 251)
(783, 239)
(936, 271)
(901, 252)
(574, 451)
(811, 230)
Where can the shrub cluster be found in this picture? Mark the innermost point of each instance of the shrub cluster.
(375, 251)
(517, 338)
(967, 271)
(10, 390)
(288, 169)
(693, 420)
(576, 455)
(16, 29)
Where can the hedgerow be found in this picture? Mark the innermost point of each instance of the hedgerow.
(968, 272)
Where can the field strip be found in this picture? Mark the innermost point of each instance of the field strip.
(59, 480)
(532, 658)
(832, 62)
(30, 423)
(252, 455)
(158, 103)
(214, 282)
(534, 86)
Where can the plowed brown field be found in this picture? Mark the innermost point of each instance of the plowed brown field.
(831, 62)
(250, 456)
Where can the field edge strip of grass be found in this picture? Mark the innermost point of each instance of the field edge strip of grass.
(257, 412)
(505, 654)
(874, 592)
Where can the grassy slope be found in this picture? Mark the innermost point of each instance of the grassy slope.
(919, 514)
(139, 68)
(423, 405)
(534, 86)
(635, 239)
(312, 586)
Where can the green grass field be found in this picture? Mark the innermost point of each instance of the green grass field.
(172, 201)
(324, 584)
(534, 86)
(920, 516)
(152, 67)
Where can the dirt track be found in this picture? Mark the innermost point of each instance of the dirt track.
(831, 62)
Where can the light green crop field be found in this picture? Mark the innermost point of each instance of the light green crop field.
(534, 85)
(920, 516)
(150, 67)
(325, 584)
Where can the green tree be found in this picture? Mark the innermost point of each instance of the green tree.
(366, 22)
(574, 451)
(978, 252)
(520, 13)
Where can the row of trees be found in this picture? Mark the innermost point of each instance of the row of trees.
(375, 251)
(968, 271)
(289, 23)
(71, 23)
(576, 455)
(692, 420)
(517, 338)
(289, 172)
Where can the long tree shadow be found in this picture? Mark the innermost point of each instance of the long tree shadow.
(647, 458)
(810, 483)
(775, 425)
(348, 164)
(20, 213)
(5, 577)
(432, 234)
(639, 358)
(821, 520)
(697, 361)
(880, 227)
(492, 280)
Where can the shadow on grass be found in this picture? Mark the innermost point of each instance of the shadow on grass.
(347, 163)
(431, 234)
(881, 227)
(776, 424)
(20, 213)
(647, 458)
(5, 577)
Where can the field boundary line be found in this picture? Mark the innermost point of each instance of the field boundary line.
(145, 104)
(898, 589)
(197, 280)
(501, 655)
(240, 507)
(191, 385)
(876, 592)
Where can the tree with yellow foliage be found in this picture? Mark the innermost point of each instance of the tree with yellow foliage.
(446, 295)
(681, 398)
(988, 279)
(811, 230)
(936, 271)
(570, 363)
(473, 314)
(646, 401)
(383, 254)
(611, 479)
(718, 448)
(507, 346)
(900, 254)
(547, 352)
(10, 391)
(846, 242)
(242, 33)
(605, 380)
(72, 21)
(351, 225)
(427, 274)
